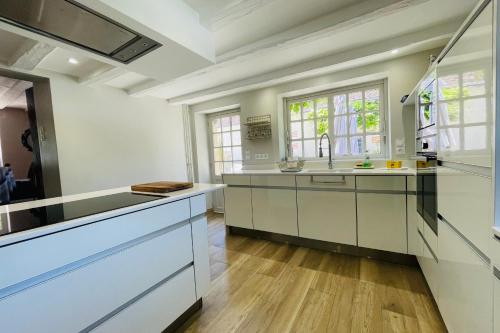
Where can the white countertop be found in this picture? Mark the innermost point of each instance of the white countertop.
(339, 171)
(37, 232)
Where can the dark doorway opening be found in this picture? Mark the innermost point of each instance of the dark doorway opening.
(29, 163)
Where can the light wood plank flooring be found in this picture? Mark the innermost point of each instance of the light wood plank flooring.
(261, 286)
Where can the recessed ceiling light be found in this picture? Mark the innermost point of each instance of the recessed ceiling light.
(395, 51)
(73, 61)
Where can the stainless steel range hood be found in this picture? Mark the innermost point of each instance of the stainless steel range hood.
(74, 24)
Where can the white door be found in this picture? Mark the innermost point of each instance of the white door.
(225, 149)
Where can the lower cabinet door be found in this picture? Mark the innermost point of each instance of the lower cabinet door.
(238, 207)
(382, 221)
(430, 269)
(275, 210)
(156, 310)
(465, 285)
(496, 302)
(73, 301)
(414, 240)
(327, 216)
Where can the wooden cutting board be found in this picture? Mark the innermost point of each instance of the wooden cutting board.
(161, 187)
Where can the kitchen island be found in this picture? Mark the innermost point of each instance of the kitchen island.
(107, 261)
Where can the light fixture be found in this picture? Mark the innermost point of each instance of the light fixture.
(73, 61)
(395, 51)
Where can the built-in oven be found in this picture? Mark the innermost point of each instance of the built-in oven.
(427, 189)
(426, 148)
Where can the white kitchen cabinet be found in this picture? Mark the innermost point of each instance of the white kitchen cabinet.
(327, 216)
(156, 310)
(382, 221)
(238, 207)
(274, 204)
(466, 200)
(238, 202)
(496, 302)
(199, 231)
(414, 240)
(74, 300)
(465, 285)
(430, 268)
(381, 208)
(275, 210)
(326, 207)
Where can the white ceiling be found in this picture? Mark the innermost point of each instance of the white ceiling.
(256, 42)
(12, 93)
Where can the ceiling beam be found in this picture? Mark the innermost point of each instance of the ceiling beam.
(321, 28)
(12, 93)
(436, 36)
(29, 55)
(102, 75)
(234, 11)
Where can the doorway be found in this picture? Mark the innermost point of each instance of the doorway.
(29, 167)
(225, 150)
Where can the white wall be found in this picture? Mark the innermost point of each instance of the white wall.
(402, 74)
(107, 139)
(202, 154)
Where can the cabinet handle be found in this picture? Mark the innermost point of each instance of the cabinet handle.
(343, 181)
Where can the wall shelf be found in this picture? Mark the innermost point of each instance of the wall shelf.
(258, 127)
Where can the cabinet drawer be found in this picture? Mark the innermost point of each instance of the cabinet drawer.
(198, 205)
(157, 310)
(334, 182)
(236, 180)
(414, 241)
(238, 207)
(430, 269)
(465, 285)
(79, 298)
(279, 181)
(466, 201)
(411, 183)
(496, 302)
(275, 210)
(382, 221)
(430, 237)
(327, 215)
(31, 258)
(383, 183)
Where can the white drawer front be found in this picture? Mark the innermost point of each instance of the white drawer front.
(157, 310)
(77, 299)
(496, 304)
(236, 179)
(383, 183)
(238, 207)
(465, 285)
(198, 205)
(275, 210)
(199, 229)
(327, 215)
(28, 259)
(382, 222)
(466, 201)
(280, 181)
(336, 182)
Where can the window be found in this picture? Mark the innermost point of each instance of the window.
(352, 117)
(225, 132)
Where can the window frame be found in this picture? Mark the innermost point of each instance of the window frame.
(210, 132)
(383, 114)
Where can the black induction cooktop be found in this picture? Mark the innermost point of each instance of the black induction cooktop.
(28, 219)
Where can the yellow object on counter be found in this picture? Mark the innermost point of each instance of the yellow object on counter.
(394, 164)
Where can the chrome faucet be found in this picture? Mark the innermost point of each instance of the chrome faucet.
(330, 164)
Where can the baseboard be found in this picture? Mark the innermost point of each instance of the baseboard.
(184, 317)
(397, 258)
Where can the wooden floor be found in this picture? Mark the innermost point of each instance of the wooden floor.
(261, 286)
